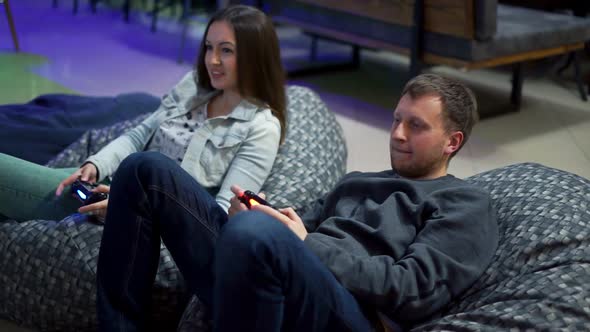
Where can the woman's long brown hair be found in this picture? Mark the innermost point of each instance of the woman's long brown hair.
(261, 77)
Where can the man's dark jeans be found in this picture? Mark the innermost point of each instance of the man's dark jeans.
(254, 272)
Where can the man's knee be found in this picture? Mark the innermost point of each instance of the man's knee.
(249, 232)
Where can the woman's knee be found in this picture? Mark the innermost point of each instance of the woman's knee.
(141, 164)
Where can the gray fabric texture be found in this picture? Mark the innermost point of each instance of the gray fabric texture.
(313, 156)
(48, 267)
(48, 276)
(539, 278)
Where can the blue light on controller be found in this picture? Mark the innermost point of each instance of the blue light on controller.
(81, 194)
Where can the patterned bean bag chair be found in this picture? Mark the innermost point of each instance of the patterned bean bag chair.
(539, 279)
(47, 279)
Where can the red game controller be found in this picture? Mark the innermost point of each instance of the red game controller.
(250, 199)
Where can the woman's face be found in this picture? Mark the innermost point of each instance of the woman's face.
(221, 57)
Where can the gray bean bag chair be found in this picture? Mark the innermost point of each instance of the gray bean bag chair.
(539, 279)
(47, 279)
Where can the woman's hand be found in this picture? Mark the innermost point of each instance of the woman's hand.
(99, 208)
(86, 173)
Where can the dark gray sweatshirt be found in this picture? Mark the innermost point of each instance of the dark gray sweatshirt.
(404, 247)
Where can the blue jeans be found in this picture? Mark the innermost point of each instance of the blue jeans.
(254, 272)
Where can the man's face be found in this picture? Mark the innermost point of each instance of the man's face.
(419, 145)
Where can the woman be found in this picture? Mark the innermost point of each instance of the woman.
(222, 124)
(153, 198)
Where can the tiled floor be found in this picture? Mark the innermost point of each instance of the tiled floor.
(101, 55)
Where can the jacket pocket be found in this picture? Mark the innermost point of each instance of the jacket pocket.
(218, 153)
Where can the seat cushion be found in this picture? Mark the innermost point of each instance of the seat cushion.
(522, 30)
(539, 278)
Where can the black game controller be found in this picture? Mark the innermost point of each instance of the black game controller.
(82, 190)
(250, 199)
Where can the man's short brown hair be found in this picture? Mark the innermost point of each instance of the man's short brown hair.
(459, 106)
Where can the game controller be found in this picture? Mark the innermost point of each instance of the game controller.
(250, 199)
(82, 191)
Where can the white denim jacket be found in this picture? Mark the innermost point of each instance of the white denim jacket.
(239, 148)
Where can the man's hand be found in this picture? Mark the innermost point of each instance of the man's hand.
(235, 204)
(86, 173)
(99, 208)
(287, 216)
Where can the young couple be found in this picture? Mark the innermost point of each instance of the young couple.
(398, 244)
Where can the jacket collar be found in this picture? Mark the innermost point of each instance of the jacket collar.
(244, 111)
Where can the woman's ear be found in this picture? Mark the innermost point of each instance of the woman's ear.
(454, 143)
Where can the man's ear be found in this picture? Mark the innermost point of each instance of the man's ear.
(454, 143)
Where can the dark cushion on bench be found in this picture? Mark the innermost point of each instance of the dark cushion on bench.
(522, 29)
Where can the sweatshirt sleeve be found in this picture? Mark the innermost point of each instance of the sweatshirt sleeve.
(454, 246)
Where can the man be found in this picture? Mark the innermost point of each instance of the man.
(398, 244)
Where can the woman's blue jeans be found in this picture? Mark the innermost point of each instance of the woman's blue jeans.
(254, 272)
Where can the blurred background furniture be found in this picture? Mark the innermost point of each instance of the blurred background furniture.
(11, 25)
(465, 34)
(186, 6)
(579, 8)
(190, 9)
(158, 6)
(75, 5)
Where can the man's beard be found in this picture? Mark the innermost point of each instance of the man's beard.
(421, 169)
